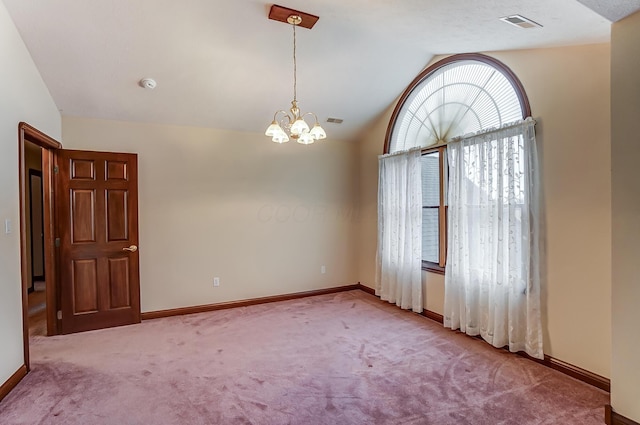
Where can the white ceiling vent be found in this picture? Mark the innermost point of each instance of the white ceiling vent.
(335, 120)
(520, 21)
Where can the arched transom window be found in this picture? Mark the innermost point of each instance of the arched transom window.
(459, 95)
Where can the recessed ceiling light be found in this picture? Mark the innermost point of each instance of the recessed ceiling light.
(335, 120)
(520, 21)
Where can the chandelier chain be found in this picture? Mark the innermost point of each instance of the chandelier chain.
(294, 63)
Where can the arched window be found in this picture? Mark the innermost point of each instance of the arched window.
(458, 95)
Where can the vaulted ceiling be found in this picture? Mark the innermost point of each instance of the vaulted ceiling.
(223, 64)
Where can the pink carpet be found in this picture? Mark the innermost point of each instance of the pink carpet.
(341, 359)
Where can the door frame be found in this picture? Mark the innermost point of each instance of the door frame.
(49, 146)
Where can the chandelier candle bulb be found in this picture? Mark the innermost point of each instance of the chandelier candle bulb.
(292, 123)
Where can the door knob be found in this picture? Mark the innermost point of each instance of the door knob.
(131, 248)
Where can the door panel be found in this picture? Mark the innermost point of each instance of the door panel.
(117, 215)
(116, 170)
(82, 169)
(83, 215)
(85, 286)
(119, 272)
(97, 211)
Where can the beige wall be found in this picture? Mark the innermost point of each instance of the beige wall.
(23, 97)
(261, 216)
(625, 158)
(568, 89)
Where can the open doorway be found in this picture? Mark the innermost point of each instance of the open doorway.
(34, 215)
(79, 236)
(37, 256)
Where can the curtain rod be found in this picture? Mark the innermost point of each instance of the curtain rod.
(459, 138)
(386, 155)
(483, 132)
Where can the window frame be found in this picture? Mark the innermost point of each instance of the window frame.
(439, 268)
(442, 213)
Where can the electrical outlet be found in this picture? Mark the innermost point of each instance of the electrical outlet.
(216, 281)
(323, 269)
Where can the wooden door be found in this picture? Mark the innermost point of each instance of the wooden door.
(97, 233)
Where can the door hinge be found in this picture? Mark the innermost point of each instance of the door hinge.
(57, 242)
(55, 169)
(59, 314)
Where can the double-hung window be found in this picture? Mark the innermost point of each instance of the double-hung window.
(434, 210)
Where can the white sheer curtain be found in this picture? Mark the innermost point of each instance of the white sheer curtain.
(492, 279)
(399, 256)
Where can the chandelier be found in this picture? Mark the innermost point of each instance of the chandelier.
(292, 124)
